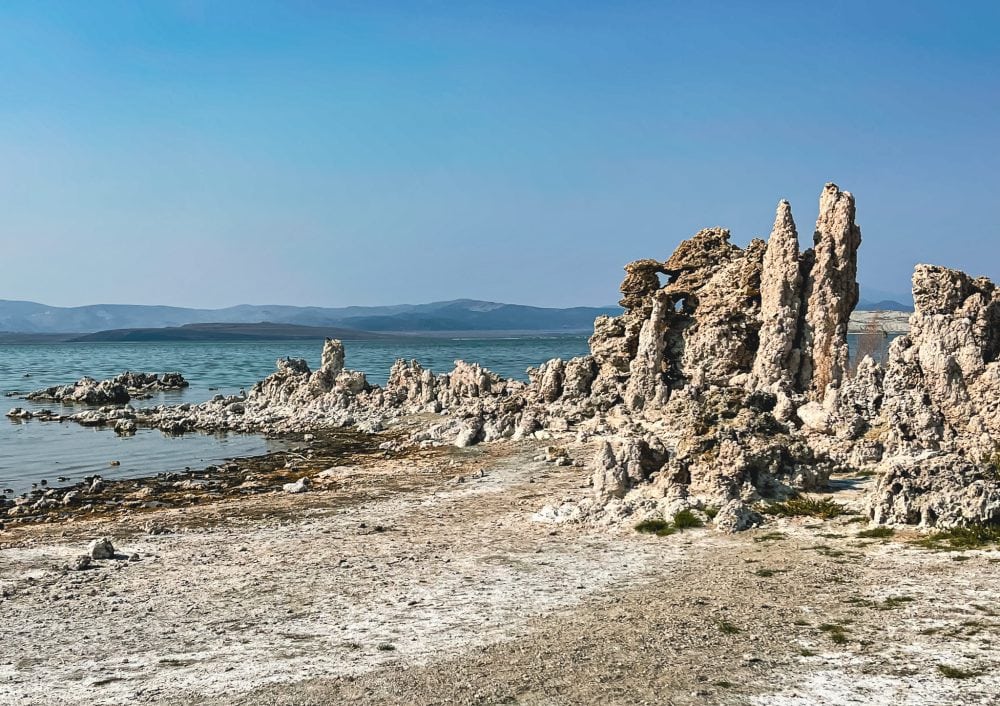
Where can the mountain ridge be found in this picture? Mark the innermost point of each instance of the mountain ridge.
(465, 315)
(453, 315)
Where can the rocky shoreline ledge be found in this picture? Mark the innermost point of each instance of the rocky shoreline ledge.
(117, 390)
(94, 496)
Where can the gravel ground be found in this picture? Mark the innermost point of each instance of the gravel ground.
(404, 584)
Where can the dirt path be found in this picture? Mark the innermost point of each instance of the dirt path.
(403, 585)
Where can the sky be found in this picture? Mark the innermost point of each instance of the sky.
(336, 153)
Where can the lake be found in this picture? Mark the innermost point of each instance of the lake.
(32, 450)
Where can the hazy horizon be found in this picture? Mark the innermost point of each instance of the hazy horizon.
(869, 295)
(331, 154)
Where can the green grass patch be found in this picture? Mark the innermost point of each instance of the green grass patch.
(890, 603)
(956, 673)
(661, 528)
(893, 602)
(876, 533)
(710, 512)
(826, 550)
(727, 628)
(806, 507)
(837, 633)
(958, 538)
(686, 519)
(767, 573)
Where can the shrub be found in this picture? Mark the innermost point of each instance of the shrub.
(685, 519)
(956, 673)
(661, 528)
(727, 628)
(767, 573)
(971, 537)
(806, 507)
(837, 633)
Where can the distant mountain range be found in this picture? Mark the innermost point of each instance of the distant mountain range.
(460, 315)
(26, 321)
(231, 332)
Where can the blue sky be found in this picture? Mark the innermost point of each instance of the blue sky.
(333, 153)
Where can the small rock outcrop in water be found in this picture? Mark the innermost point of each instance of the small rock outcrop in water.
(118, 390)
(725, 381)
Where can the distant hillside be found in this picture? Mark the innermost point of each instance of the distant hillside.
(460, 316)
(883, 305)
(230, 332)
(457, 315)
(873, 298)
(28, 321)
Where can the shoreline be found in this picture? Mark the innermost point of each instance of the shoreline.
(423, 579)
(236, 477)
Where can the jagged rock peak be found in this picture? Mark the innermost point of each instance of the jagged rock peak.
(698, 258)
(777, 358)
(831, 293)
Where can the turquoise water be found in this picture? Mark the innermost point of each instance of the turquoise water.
(33, 450)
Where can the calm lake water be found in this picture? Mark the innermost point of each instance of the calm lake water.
(33, 450)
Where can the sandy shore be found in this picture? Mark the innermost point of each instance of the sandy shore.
(424, 580)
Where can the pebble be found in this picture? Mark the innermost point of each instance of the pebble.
(299, 486)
